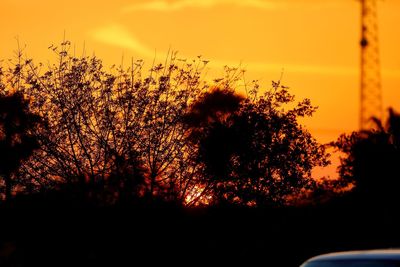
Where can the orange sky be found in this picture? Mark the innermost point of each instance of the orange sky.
(315, 42)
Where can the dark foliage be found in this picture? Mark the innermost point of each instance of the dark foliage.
(255, 153)
(17, 141)
(371, 162)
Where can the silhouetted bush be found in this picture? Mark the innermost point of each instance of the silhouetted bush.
(371, 163)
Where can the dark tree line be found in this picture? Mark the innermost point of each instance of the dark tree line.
(127, 133)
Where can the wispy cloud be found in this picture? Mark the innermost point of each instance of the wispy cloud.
(167, 6)
(117, 35)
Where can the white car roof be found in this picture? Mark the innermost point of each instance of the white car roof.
(381, 254)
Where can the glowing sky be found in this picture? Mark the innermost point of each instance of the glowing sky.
(314, 42)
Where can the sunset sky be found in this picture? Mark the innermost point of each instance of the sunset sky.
(313, 42)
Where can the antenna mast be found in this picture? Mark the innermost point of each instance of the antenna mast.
(371, 86)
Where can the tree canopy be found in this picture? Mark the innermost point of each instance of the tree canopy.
(371, 159)
(254, 151)
(127, 133)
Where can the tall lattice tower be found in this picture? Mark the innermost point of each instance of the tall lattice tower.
(371, 87)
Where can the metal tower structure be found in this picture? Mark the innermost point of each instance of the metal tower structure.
(371, 87)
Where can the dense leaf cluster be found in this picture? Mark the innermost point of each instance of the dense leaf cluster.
(370, 162)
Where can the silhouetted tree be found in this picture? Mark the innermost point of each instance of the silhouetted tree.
(17, 141)
(164, 133)
(371, 161)
(107, 128)
(255, 152)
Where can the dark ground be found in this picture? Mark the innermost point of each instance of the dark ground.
(52, 233)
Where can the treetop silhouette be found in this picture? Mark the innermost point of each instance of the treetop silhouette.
(254, 151)
(126, 133)
(370, 162)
